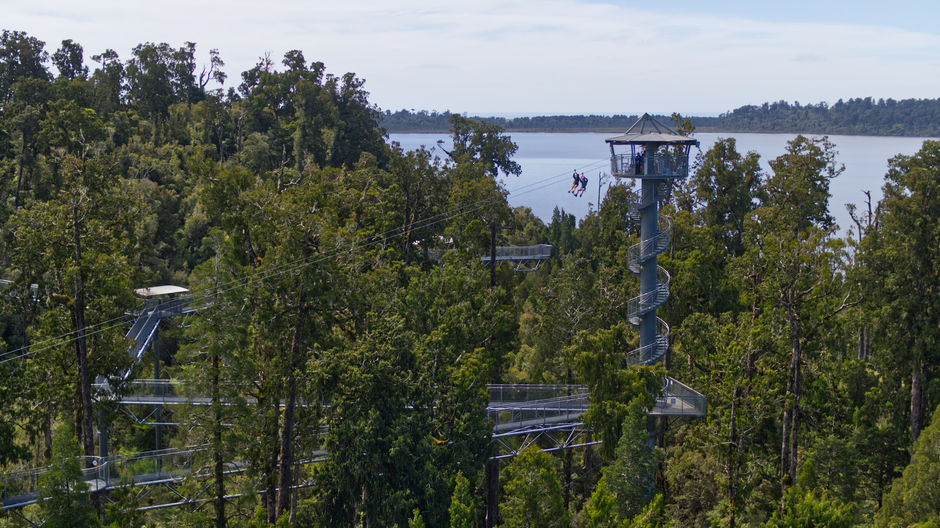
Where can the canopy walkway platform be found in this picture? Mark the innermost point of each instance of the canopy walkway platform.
(524, 258)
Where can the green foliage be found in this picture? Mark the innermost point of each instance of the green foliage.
(479, 142)
(804, 509)
(552, 318)
(462, 511)
(68, 59)
(21, 57)
(122, 507)
(631, 476)
(651, 516)
(600, 510)
(416, 521)
(63, 495)
(328, 332)
(722, 191)
(798, 189)
(615, 387)
(532, 496)
(915, 496)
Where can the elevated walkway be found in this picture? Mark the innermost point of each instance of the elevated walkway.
(525, 258)
(521, 415)
(145, 326)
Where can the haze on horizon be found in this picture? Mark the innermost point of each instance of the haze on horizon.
(537, 57)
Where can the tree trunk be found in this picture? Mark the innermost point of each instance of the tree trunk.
(81, 346)
(269, 470)
(287, 430)
(785, 446)
(917, 401)
(493, 253)
(492, 493)
(864, 343)
(566, 484)
(795, 417)
(791, 415)
(219, 466)
(732, 459)
(250, 250)
(19, 176)
(292, 516)
(47, 434)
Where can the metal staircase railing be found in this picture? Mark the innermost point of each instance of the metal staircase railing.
(645, 303)
(639, 255)
(651, 353)
(679, 400)
(650, 248)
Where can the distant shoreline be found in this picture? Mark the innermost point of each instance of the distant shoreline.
(706, 130)
(854, 117)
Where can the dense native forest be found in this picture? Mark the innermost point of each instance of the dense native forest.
(345, 316)
(859, 116)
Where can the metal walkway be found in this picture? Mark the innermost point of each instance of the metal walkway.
(522, 415)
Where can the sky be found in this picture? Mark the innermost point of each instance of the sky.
(538, 57)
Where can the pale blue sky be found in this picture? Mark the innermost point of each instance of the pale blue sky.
(542, 56)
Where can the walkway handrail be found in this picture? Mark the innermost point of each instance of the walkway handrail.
(535, 252)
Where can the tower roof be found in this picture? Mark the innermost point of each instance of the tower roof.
(649, 130)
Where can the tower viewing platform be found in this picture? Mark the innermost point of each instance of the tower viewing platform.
(654, 151)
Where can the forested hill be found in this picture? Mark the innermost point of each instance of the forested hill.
(882, 117)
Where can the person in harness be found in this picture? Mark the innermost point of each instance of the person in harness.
(577, 181)
(580, 192)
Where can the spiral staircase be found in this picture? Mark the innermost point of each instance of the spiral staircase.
(656, 156)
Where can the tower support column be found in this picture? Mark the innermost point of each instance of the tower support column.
(648, 280)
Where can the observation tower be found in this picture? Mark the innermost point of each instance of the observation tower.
(656, 155)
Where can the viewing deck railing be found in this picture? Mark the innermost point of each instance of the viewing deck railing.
(679, 400)
(661, 165)
(536, 252)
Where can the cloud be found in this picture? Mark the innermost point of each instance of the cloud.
(522, 56)
(809, 57)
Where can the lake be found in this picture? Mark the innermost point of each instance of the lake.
(548, 159)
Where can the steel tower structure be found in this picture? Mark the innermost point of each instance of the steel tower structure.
(656, 155)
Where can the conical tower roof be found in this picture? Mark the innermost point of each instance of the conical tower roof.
(648, 130)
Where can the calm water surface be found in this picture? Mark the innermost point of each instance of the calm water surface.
(547, 160)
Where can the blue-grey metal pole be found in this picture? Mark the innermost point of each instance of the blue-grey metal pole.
(648, 231)
(158, 415)
(102, 434)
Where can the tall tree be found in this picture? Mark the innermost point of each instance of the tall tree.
(724, 188)
(631, 476)
(21, 57)
(108, 82)
(532, 495)
(913, 499)
(790, 261)
(63, 495)
(69, 60)
(462, 511)
(73, 246)
(903, 256)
